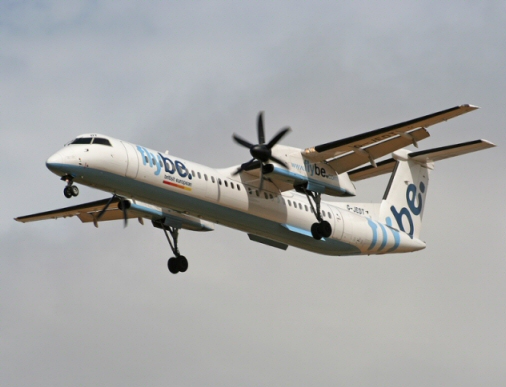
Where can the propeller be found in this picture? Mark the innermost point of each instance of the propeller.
(123, 205)
(261, 152)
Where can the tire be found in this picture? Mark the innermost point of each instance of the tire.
(67, 192)
(173, 265)
(315, 232)
(325, 229)
(74, 191)
(182, 264)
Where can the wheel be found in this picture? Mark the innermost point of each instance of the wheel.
(182, 264)
(324, 229)
(67, 192)
(74, 190)
(315, 232)
(173, 265)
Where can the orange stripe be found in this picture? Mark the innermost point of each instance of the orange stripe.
(177, 185)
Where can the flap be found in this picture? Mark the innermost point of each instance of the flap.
(362, 156)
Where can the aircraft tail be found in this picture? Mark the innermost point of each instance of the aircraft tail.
(404, 200)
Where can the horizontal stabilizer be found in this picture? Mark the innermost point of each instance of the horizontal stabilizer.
(446, 152)
(426, 156)
(385, 166)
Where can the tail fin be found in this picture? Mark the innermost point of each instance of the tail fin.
(404, 200)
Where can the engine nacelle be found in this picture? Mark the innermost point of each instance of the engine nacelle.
(329, 184)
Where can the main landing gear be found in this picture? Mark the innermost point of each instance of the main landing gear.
(322, 228)
(70, 189)
(179, 263)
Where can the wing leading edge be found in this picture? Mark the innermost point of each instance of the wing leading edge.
(88, 212)
(426, 156)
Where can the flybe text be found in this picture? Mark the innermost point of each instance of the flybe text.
(314, 169)
(160, 161)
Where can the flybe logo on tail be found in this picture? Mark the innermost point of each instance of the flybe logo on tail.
(415, 204)
(160, 161)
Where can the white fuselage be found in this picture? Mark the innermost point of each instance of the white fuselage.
(216, 195)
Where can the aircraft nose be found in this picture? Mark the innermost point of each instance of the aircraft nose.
(53, 162)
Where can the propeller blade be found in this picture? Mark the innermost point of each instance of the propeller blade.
(101, 213)
(260, 128)
(282, 133)
(242, 141)
(248, 166)
(280, 162)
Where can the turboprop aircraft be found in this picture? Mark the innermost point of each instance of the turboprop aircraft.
(275, 197)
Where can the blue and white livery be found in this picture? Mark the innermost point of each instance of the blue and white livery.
(276, 197)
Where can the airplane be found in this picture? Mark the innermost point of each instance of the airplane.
(275, 197)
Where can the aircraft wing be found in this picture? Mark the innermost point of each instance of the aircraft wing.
(346, 154)
(88, 212)
(426, 156)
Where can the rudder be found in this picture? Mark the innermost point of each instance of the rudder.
(404, 200)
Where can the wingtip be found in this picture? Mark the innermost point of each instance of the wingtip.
(470, 107)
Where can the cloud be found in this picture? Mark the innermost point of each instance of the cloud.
(98, 306)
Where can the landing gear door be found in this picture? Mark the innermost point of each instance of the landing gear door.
(338, 226)
(132, 160)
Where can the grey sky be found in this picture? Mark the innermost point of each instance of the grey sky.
(98, 307)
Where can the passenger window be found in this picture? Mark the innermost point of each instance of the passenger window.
(289, 203)
(193, 173)
(265, 195)
(238, 187)
(219, 181)
(250, 191)
(205, 176)
(226, 183)
(232, 185)
(270, 195)
(330, 216)
(198, 174)
(300, 206)
(212, 179)
(258, 193)
(305, 206)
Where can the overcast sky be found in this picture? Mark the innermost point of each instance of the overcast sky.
(82, 306)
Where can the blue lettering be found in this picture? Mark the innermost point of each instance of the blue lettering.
(398, 218)
(168, 164)
(182, 170)
(410, 198)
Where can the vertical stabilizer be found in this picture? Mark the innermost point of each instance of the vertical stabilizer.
(404, 200)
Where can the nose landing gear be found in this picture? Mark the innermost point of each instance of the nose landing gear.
(179, 263)
(70, 189)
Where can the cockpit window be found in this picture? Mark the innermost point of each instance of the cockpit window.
(101, 141)
(82, 140)
(90, 140)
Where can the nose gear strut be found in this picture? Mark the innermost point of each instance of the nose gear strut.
(179, 263)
